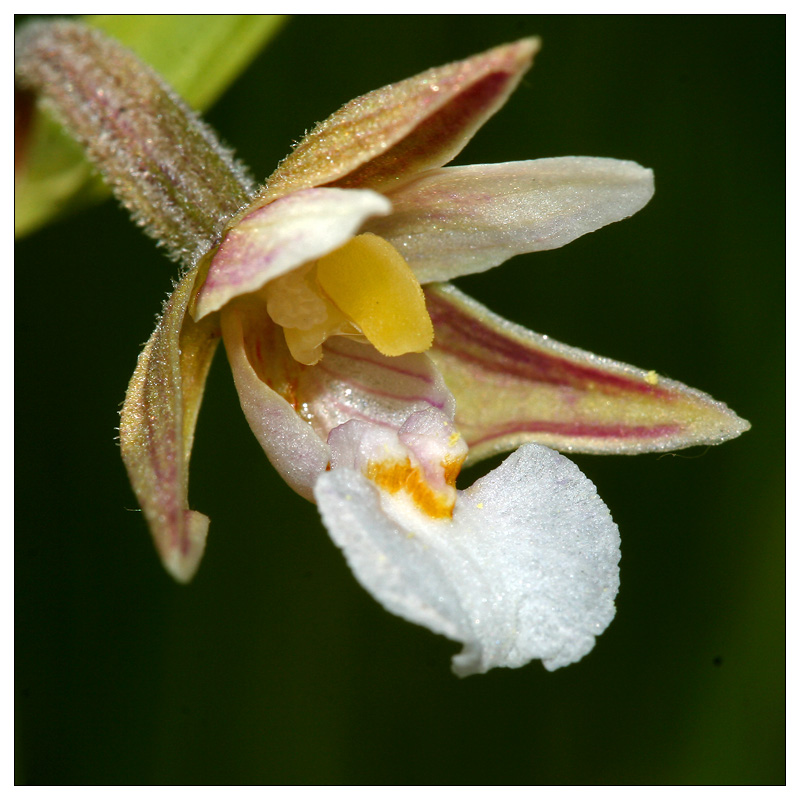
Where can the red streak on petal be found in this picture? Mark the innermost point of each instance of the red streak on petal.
(330, 346)
(370, 389)
(470, 341)
(579, 430)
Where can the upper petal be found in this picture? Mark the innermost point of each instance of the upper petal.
(157, 429)
(512, 385)
(526, 569)
(459, 220)
(271, 240)
(387, 135)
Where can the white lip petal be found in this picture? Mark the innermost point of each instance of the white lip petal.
(526, 569)
(459, 220)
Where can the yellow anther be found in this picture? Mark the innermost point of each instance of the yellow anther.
(368, 280)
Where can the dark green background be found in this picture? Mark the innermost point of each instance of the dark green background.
(274, 666)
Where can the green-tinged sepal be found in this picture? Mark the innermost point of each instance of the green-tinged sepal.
(170, 171)
(382, 139)
(514, 386)
(157, 429)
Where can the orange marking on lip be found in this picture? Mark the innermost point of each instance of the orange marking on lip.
(395, 476)
(452, 468)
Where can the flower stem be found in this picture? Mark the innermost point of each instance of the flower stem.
(164, 165)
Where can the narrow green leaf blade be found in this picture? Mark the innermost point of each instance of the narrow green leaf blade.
(199, 55)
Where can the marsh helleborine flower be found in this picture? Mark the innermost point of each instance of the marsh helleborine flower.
(367, 379)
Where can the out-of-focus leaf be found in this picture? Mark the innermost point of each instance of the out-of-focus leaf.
(199, 55)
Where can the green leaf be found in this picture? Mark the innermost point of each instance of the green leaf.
(199, 55)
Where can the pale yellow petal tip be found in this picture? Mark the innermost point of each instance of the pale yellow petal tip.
(735, 426)
(530, 46)
(712, 421)
(182, 562)
(517, 55)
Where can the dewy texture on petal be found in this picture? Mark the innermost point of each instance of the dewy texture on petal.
(269, 241)
(292, 408)
(459, 220)
(157, 430)
(526, 569)
(384, 137)
(354, 381)
(513, 386)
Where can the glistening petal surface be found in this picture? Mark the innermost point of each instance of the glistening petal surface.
(459, 220)
(387, 135)
(513, 386)
(526, 569)
(354, 381)
(292, 408)
(157, 429)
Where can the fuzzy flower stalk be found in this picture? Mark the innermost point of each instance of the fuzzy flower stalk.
(367, 378)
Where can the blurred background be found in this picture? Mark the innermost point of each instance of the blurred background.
(274, 666)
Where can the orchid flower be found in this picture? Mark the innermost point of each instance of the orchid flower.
(367, 378)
